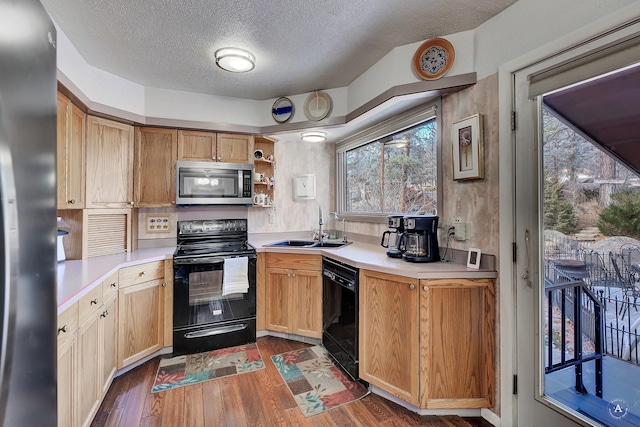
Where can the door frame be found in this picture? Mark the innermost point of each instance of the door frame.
(571, 45)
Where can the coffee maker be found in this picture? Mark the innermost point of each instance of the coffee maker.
(392, 235)
(419, 241)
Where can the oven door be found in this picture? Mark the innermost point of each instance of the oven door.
(205, 316)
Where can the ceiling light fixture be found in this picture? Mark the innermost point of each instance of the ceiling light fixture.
(314, 136)
(235, 60)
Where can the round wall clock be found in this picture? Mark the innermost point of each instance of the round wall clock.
(433, 59)
(282, 109)
(317, 105)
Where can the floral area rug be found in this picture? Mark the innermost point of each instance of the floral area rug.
(193, 368)
(315, 382)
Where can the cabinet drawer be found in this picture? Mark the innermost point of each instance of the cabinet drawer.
(110, 287)
(90, 303)
(141, 273)
(67, 325)
(294, 261)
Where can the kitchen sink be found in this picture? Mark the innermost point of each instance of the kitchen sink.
(294, 243)
(307, 244)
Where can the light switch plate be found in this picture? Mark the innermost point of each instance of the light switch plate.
(157, 223)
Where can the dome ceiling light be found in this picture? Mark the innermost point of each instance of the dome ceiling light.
(235, 60)
(314, 136)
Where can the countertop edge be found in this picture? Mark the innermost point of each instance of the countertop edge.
(77, 278)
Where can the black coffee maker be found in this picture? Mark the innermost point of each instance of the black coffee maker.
(419, 241)
(391, 237)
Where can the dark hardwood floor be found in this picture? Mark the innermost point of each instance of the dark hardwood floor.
(258, 398)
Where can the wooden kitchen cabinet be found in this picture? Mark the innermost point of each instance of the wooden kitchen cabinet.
(155, 154)
(89, 386)
(197, 146)
(108, 323)
(389, 333)
(263, 166)
(70, 154)
(211, 146)
(109, 164)
(140, 311)
(235, 148)
(457, 343)
(428, 342)
(293, 294)
(67, 367)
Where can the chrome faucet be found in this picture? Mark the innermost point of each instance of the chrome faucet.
(344, 232)
(320, 224)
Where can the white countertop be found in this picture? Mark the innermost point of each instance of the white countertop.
(76, 278)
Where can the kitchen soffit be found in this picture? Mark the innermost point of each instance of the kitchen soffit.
(325, 44)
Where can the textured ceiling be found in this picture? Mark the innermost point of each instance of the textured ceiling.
(300, 45)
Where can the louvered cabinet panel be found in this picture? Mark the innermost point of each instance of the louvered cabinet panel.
(106, 232)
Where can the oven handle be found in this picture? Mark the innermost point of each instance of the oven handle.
(205, 260)
(216, 331)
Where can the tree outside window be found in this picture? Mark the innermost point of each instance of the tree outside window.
(395, 174)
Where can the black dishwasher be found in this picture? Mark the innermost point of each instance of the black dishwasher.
(340, 313)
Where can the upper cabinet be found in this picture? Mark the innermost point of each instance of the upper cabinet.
(211, 146)
(235, 148)
(109, 164)
(71, 138)
(156, 150)
(197, 146)
(264, 166)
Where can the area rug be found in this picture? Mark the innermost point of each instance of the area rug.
(194, 368)
(315, 382)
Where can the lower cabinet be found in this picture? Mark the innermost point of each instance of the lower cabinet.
(428, 342)
(293, 294)
(389, 333)
(86, 354)
(140, 311)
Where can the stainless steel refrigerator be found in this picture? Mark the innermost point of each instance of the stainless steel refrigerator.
(27, 215)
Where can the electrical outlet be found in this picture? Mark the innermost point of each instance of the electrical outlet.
(460, 229)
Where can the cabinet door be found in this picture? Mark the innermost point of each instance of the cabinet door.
(88, 370)
(457, 319)
(235, 148)
(108, 338)
(109, 164)
(278, 299)
(67, 385)
(196, 145)
(307, 303)
(70, 158)
(389, 333)
(140, 323)
(156, 151)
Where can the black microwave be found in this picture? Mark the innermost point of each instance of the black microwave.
(214, 183)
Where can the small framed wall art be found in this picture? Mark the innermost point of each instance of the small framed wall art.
(468, 157)
(473, 258)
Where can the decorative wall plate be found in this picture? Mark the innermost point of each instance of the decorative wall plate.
(282, 109)
(317, 105)
(433, 59)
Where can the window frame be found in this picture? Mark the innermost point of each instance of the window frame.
(408, 119)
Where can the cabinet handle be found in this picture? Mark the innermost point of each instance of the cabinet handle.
(164, 285)
(131, 203)
(288, 274)
(113, 285)
(72, 201)
(64, 329)
(426, 288)
(293, 274)
(141, 273)
(105, 313)
(94, 301)
(412, 287)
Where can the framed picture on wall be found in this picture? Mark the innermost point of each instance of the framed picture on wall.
(466, 138)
